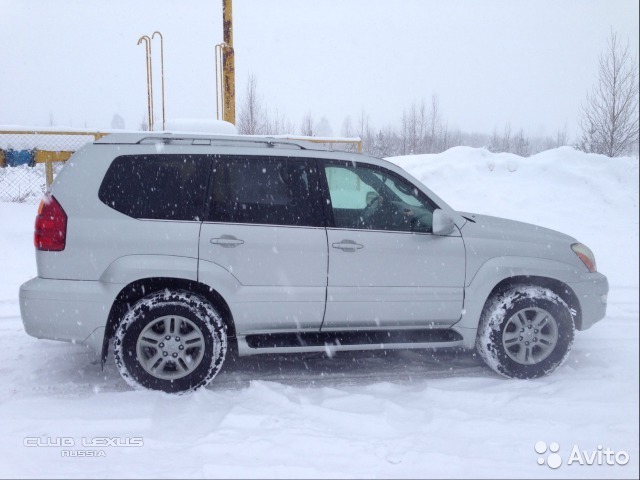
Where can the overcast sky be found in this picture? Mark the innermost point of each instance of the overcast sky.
(526, 62)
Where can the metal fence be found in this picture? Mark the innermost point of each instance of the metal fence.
(29, 160)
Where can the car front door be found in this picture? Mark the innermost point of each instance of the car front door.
(265, 228)
(386, 268)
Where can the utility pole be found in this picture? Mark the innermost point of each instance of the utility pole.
(228, 65)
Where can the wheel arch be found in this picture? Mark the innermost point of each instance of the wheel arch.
(564, 291)
(140, 288)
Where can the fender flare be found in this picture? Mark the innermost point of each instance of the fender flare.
(499, 269)
(128, 269)
(151, 272)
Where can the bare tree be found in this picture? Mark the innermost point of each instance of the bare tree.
(366, 132)
(422, 128)
(561, 138)
(144, 124)
(558, 139)
(383, 143)
(435, 125)
(521, 144)
(495, 143)
(347, 130)
(347, 127)
(446, 139)
(411, 129)
(364, 128)
(307, 127)
(506, 138)
(609, 115)
(404, 133)
(277, 124)
(252, 119)
(273, 123)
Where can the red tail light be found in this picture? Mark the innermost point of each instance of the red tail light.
(51, 226)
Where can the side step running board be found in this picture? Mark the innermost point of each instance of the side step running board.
(365, 339)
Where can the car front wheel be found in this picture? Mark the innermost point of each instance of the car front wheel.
(173, 341)
(526, 332)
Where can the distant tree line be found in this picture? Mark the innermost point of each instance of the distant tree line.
(608, 117)
(422, 128)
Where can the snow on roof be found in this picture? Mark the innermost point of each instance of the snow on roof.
(200, 125)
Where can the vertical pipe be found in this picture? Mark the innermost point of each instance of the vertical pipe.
(149, 95)
(149, 67)
(48, 168)
(218, 54)
(228, 65)
(161, 71)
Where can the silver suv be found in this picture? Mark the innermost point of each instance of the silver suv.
(176, 248)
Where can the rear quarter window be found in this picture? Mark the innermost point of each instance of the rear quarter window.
(159, 187)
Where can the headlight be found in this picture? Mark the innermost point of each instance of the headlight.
(586, 255)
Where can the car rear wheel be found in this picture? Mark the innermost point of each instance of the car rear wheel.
(173, 341)
(526, 332)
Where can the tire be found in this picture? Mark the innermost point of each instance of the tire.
(172, 341)
(526, 332)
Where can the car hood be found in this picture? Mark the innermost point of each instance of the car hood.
(486, 238)
(497, 228)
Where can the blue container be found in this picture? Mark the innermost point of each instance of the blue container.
(14, 158)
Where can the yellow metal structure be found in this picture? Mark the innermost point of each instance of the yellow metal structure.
(161, 70)
(48, 157)
(329, 141)
(228, 65)
(147, 41)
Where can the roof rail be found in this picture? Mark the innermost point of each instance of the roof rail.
(201, 139)
(266, 141)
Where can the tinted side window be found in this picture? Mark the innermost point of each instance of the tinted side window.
(265, 190)
(165, 187)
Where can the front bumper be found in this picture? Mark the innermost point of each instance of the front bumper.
(592, 293)
(67, 310)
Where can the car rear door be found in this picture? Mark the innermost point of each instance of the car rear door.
(265, 227)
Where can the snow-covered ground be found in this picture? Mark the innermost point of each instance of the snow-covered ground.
(401, 414)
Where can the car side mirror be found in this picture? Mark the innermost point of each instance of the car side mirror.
(443, 223)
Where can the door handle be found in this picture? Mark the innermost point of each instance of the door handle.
(227, 241)
(347, 246)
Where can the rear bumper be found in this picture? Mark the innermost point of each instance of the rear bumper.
(592, 294)
(67, 310)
